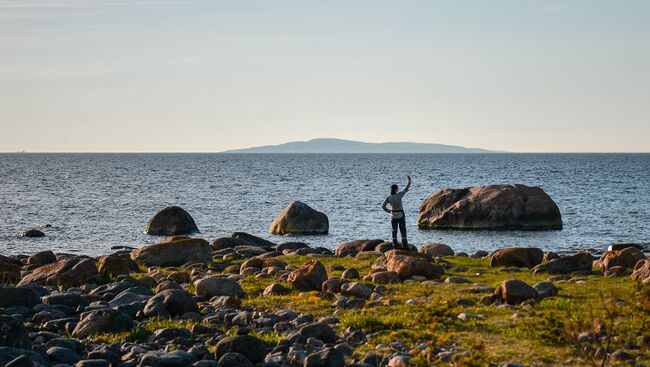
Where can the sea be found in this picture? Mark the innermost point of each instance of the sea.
(88, 203)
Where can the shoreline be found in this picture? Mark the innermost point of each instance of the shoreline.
(243, 301)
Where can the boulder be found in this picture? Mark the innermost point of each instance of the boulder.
(228, 242)
(328, 357)
(407, 264)
(308, 277)
(171, 221)
(11, 297)
(13, 333)
(581, 261)
(117, 264)
(641, 271)
(174, 252)
(9, 272)
(176, 301)
(514, 291)
(250, 347)
(318, 330)
(501, 207)
(234, 360)
(73, 271)
(520, 257)
(102, 321)
(218, 286)
(545, 289)
(177, 358)
(436, 249)
(626, 258)
(253, 240)
(299, 218)
(356, 289)
(31, 233)
(382, 277)
(352, 248)
(275, 289)
(622, 246)
(42, 258)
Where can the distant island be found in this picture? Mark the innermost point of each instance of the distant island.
(350, 146)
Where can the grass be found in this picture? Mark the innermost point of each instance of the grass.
(544, 334)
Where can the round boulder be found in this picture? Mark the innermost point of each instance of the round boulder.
(308, 277)
(520, 257)
(436, 249)
(299, 218)
(171, 221)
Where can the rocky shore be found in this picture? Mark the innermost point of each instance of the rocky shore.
(245, 301)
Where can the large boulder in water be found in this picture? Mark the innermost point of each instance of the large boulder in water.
(174, 251)
(504, 207)
(171, 221)
(300, 218)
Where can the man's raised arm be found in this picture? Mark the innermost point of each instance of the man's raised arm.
(408, 185)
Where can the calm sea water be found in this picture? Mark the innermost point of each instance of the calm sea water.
(95, 201)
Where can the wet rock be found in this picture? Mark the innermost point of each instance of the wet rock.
(581, 261)
(352, 248)
(31, 233)
(13, 333)
(218, 286)
(10, 297)
(171, 221)
(504, 207)
(174, 251)
(102, 321)
(250, 347)
(308, 277)
(520, 257)
(42, 258)
(514, 291)
(68, 272)
(299, 218)
(436, 249)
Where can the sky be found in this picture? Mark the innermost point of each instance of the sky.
(207, 76)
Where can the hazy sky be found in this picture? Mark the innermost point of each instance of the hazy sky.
(166, 75)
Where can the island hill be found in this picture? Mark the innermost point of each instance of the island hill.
(349, 146)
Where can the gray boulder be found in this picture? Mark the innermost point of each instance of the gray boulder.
(299, 218)
(502, 207)
(174, 251)
(171, 221)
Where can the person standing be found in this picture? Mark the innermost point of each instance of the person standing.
(397, 220)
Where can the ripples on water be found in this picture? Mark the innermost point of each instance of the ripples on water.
(95, 201)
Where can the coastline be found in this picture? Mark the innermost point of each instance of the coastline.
(241, 301)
